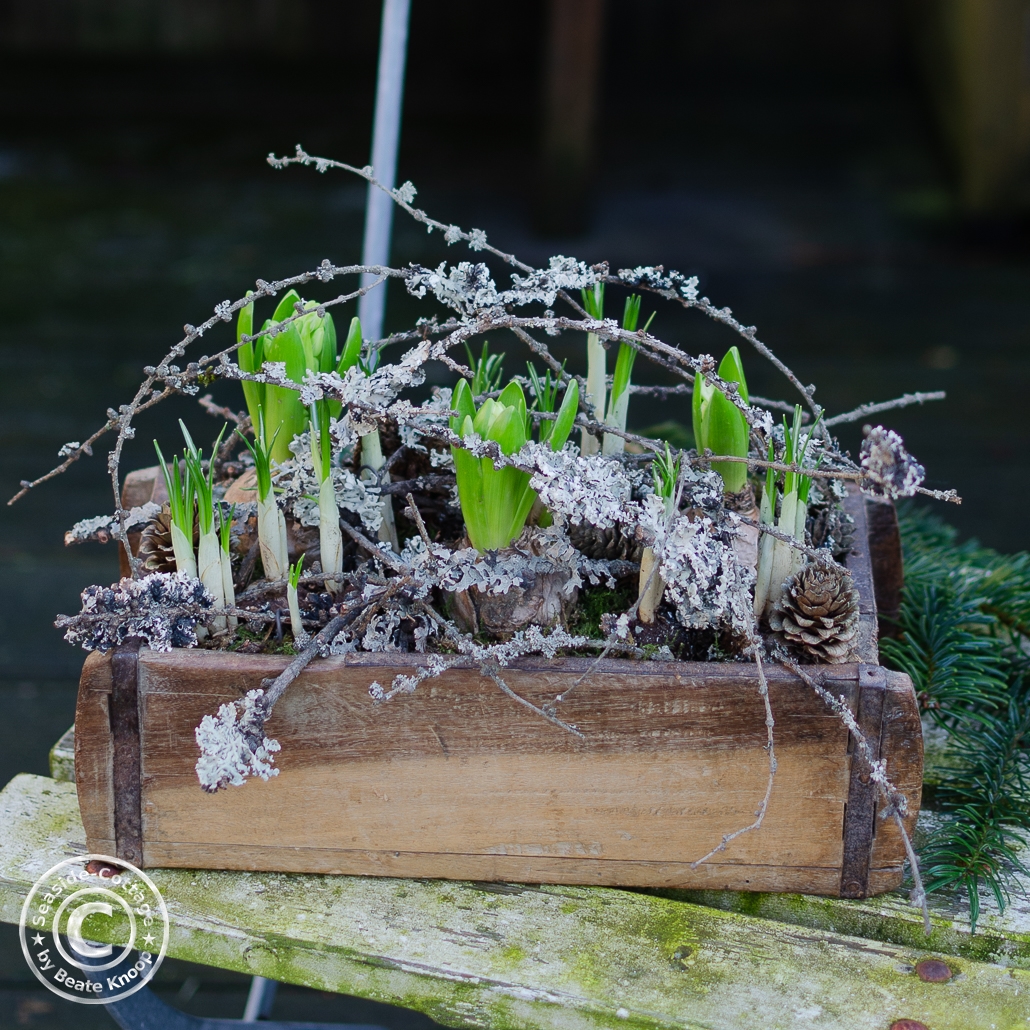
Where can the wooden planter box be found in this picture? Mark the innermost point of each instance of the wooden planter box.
(458, 781)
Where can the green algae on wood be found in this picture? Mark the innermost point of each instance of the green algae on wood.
(62, 758)
(1001, 937)
(507, 956)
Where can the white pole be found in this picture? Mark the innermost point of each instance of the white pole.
(386, 131)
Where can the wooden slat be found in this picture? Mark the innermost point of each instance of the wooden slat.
(884, 535)
(457, 780)
(860, 811)
(496, 956)
(862, 575)
(126, 744)
(94, 753)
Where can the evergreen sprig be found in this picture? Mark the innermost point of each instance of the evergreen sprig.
(963, 640)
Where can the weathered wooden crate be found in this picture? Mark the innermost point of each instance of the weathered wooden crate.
(457, 781)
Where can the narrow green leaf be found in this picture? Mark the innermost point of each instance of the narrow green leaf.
(593, 301)
(631, 313)
(352, 346)
(513, 395)
(726, 432)
(702, 394)
(462, 402)
(285, 307)
(731, 369)
(566, 417)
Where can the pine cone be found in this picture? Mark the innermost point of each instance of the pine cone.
(614, 544)
(155, 542)
(818, 613)
(831, 526)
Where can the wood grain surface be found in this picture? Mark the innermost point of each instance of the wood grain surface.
(458, 781)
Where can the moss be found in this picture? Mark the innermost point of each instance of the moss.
(872, 919)
(594, 602)
(510, 956)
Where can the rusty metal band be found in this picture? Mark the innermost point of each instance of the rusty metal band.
(860, 812)
(128, 816)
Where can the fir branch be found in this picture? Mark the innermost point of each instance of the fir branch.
(963, 642)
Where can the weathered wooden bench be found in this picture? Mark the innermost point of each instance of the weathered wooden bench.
(505, 955)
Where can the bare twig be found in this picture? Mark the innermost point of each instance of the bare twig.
(821, 555)
(432, 483)
(495, 675)
(417, 516)
(871, 409)
(384, 554)
(758, 463)
(240, 418)
(312, 649)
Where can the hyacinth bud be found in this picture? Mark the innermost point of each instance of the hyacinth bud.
(719, 425)
(495, 502)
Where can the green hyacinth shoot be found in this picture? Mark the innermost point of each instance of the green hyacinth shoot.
(495, 502)
(719, 425)
(308, 343)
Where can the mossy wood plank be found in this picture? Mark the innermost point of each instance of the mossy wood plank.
(460, 782)
(1002, 936)
(503, 956)
(62, 758)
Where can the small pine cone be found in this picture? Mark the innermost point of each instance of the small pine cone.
(614, 544)
(155, 543)
(831, 526)
(818, 613)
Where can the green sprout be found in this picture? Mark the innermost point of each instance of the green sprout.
(210, 558)
(545, 396)
(292, 581)
(719, 425)
(486, 370)
(593, 301)
(180, 504)
(329, 535)
(665, 473)
(495, 502)
(306, 344)
(778, 559)
(225, 538)
(618, 402)
(271, 521)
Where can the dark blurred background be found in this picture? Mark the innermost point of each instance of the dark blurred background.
(849, 177)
